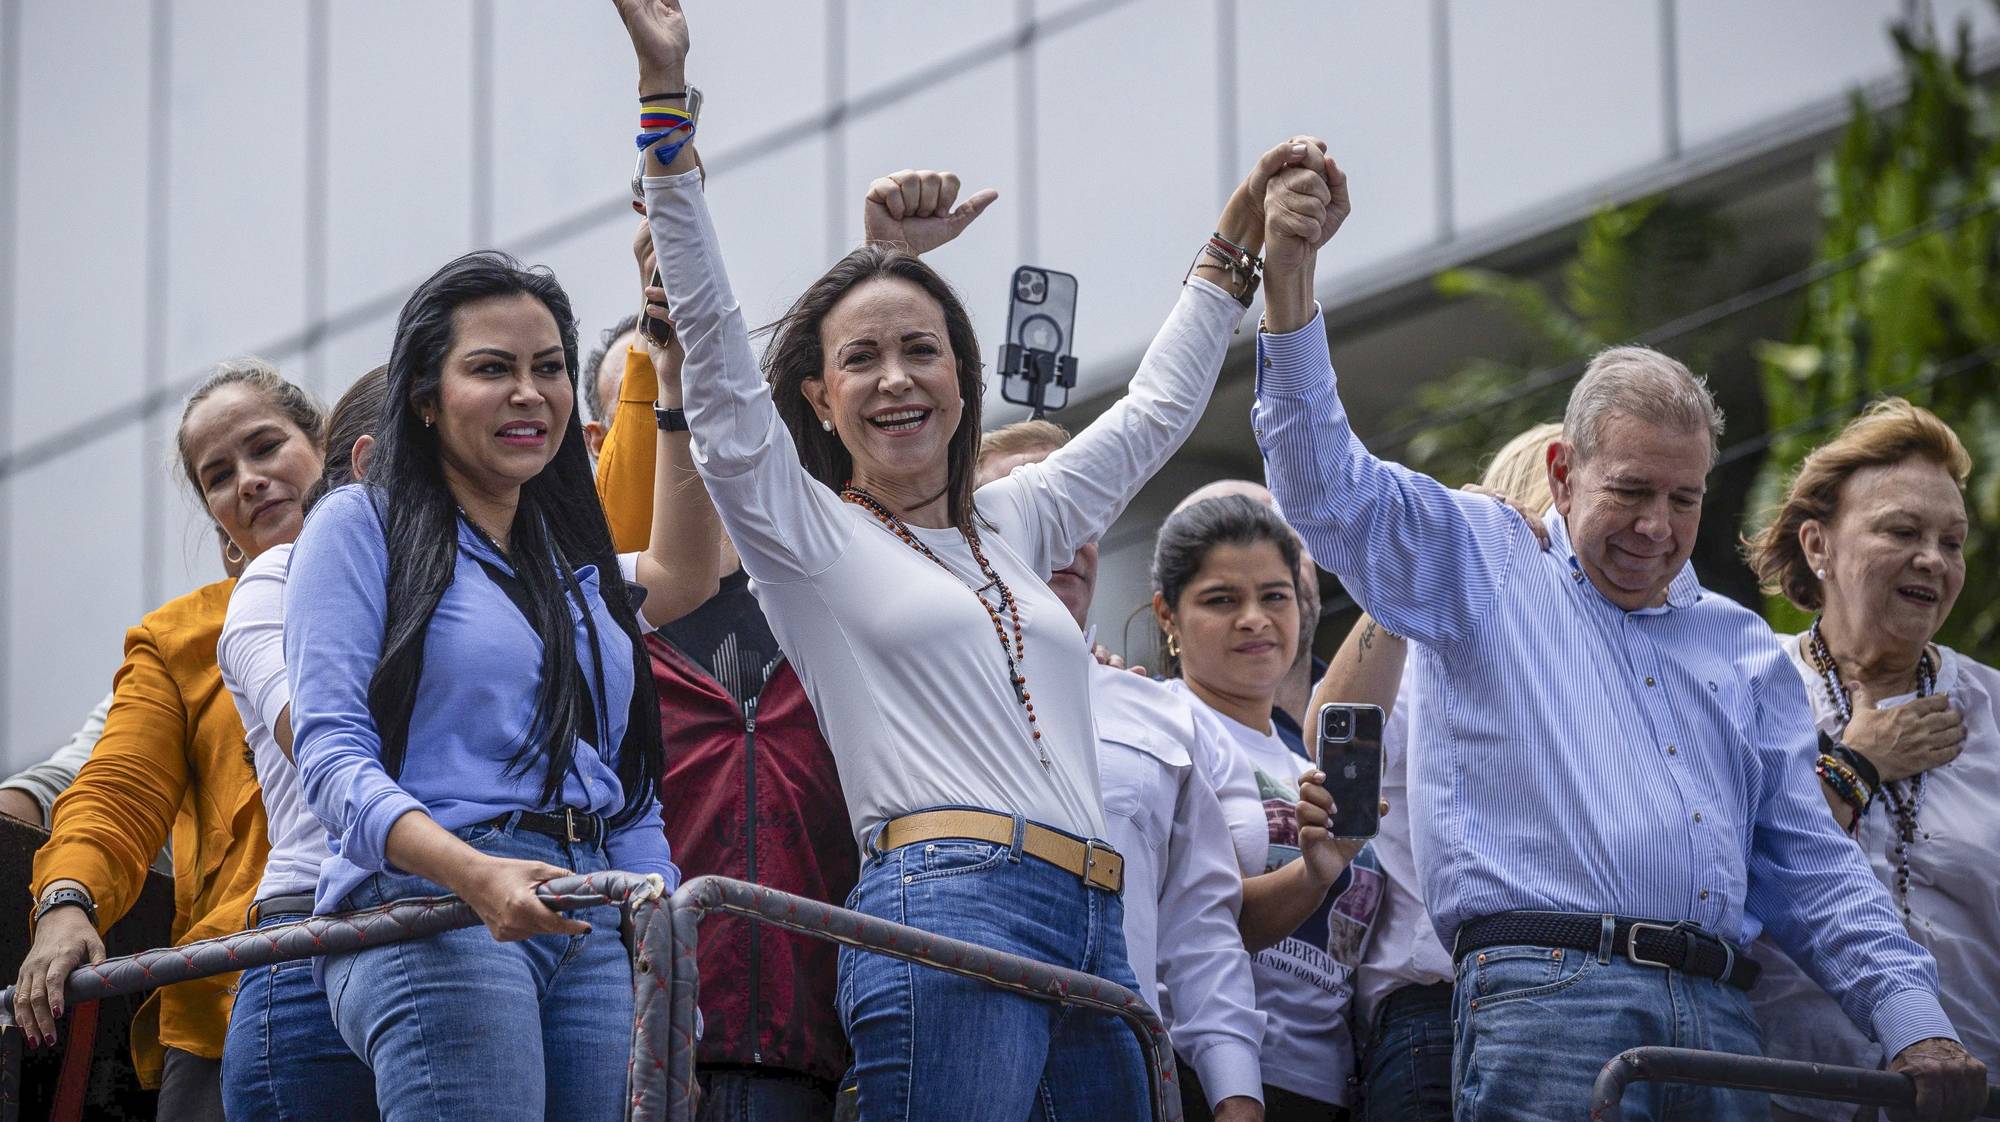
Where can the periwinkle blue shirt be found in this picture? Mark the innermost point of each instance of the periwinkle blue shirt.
(1574, 756)
(474, 705)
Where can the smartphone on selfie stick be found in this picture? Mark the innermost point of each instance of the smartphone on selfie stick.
(1041, 319)
(1350, 754)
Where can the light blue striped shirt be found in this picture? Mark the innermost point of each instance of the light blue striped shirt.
(1574, 756)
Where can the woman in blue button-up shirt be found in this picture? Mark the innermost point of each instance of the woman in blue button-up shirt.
(447, 744)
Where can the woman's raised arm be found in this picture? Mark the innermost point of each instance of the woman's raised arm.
(785, 525)
(1050, 509)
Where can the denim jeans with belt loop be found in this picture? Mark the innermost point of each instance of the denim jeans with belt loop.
(283, 1060)
(1535, 1024)
(933, 1045)
(460, 1026)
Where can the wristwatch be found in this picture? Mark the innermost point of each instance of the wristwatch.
(66, 897)
(670, 418)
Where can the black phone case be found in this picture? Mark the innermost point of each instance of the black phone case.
(1353, 771)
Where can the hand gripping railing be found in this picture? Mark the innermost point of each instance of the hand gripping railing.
(703, 896)
(1862, 1086)
(641, 900)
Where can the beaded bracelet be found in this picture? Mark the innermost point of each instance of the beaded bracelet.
(1846, 786)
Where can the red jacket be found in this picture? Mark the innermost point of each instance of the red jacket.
(752, 793)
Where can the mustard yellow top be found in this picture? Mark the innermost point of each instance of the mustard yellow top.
(173, 757)
(625, 464)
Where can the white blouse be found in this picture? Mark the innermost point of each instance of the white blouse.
(1954, 891)
(1183, 890)
(897, 655)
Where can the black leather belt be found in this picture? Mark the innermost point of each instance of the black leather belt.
(1671, 946)
(577, 827)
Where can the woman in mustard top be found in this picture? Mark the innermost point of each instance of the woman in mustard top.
(173, 755)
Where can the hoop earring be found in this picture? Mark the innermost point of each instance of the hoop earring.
(1173, 645)
(233, 554)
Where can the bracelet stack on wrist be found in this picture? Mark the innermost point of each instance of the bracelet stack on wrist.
(659, 121)
(1846, 784)
(1245, 268)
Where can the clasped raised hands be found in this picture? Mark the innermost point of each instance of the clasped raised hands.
(1304, 206)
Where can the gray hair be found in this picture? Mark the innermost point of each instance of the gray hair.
(1645, 385)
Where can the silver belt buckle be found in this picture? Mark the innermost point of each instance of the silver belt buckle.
(569, 825)
(1632, 943)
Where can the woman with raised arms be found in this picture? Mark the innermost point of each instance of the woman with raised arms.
(950, 682)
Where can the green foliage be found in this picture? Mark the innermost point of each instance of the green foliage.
(1904, 321)
(1634, 267)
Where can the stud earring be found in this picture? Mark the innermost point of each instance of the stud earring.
(826, 424)
(429, 421)
(1820, 573)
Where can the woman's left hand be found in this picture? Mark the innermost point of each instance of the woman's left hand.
(659, 33)
(1325, 855)
(1531, 517)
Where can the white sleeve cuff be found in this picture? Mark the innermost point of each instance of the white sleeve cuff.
(1228, 1068)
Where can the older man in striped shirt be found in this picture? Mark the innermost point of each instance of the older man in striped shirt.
(1611, 790)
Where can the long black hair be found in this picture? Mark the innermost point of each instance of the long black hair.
(795, 357)
(558, 526)
(1189, 534)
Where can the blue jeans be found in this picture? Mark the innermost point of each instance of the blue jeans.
(283, 1061)
(749, 1094)
(458, 1026)
(934, 1046)
(1405, 1065)
(1535, 1025)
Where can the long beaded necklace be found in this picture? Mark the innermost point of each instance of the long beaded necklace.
(1015, 650)
(1904, 802)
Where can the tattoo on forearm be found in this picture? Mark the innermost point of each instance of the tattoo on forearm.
(1367, 640)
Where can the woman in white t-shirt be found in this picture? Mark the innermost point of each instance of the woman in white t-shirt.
(1226, 596)
(951, 684)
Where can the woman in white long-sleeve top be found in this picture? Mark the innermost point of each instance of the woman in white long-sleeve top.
(950, 683)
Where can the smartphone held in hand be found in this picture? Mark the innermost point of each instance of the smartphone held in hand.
(1350, 753)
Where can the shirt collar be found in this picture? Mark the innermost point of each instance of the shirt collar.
(1682, 592)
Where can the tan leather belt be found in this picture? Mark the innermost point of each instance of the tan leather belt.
(1096, 864)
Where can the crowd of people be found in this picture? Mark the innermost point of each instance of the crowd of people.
(799, 620)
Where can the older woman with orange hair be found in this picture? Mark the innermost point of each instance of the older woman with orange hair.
(1871, 537)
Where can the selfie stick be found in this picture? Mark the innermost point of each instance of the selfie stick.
(1040, 370)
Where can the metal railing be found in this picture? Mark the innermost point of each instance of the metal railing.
(642, 900)
(704, 896)
(1861, 1086)
(661, 932)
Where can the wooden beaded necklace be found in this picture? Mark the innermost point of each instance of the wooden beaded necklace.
(1015, 650)
(1904, 803)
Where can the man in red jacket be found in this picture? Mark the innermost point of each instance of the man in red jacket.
(750, 792)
